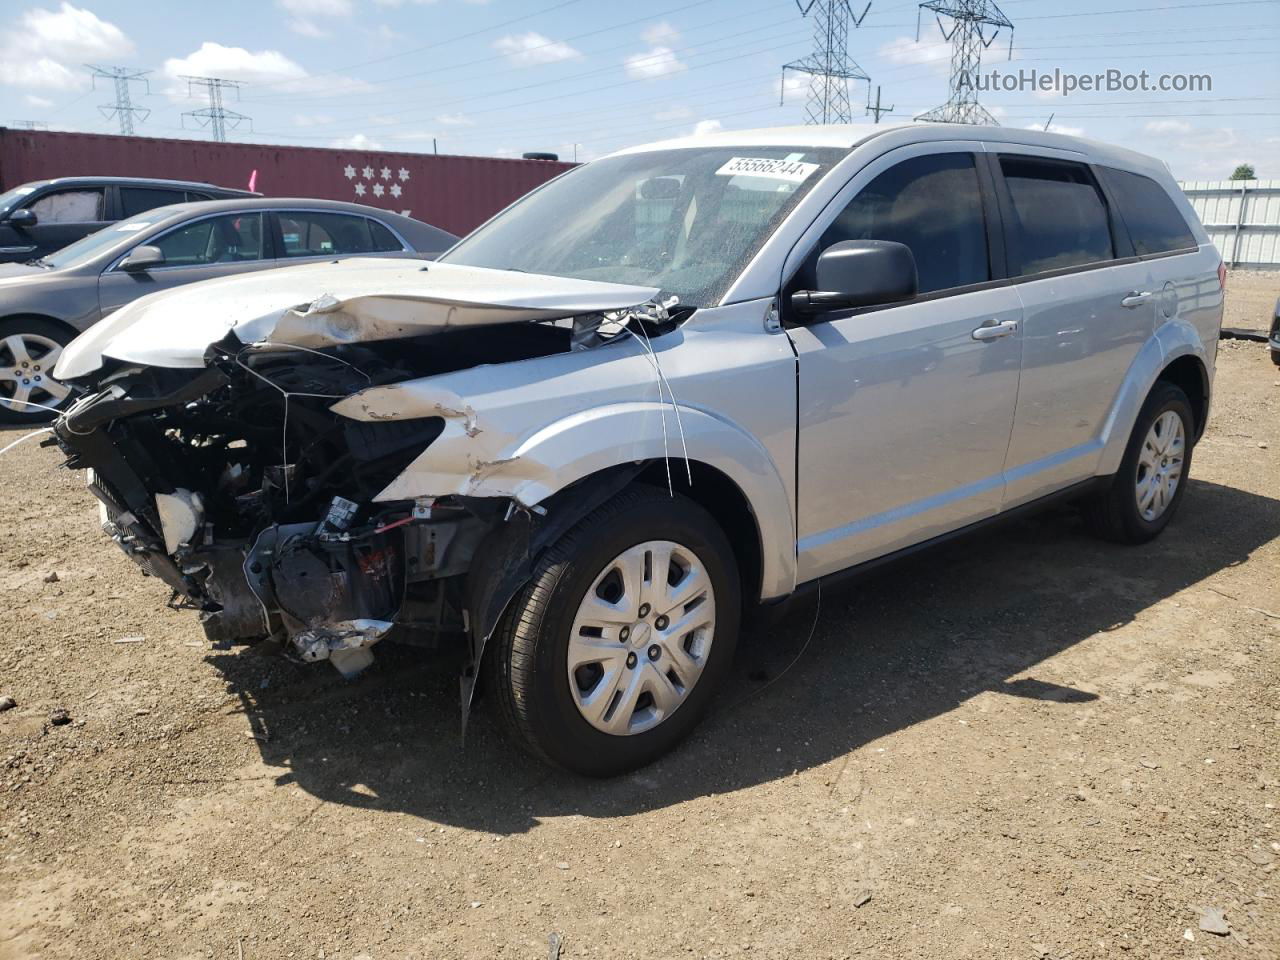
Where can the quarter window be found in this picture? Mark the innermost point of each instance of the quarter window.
(1060, 216)
(229, 239)
(1154, 223)
(933, 205)
(68, 206)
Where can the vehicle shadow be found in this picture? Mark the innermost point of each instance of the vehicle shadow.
(901, 646)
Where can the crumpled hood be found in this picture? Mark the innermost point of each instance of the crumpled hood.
(326, 304)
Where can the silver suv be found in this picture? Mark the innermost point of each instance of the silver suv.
(672, 384)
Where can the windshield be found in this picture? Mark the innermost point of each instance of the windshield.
(11, 198)
(95, 243)
(686, 221)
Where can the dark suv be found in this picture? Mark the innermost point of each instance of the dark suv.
(45, 215)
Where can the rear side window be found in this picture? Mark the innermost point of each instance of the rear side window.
(1059, 213)
(315, 234)
(1154, 223)
(136, 200)
(934, 206)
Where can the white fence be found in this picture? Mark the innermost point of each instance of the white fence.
(1242, 218)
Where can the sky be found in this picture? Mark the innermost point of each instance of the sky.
(585, 77)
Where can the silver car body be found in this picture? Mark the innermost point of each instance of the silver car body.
(849, 439)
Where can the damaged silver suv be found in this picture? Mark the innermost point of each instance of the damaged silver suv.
(667, 386)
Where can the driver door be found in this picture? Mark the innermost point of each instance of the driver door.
(906, 410)
(216, 246)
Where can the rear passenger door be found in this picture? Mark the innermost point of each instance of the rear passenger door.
(135, 200)
(1086, 313)
(905, 409)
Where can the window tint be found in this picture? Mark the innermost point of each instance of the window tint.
(1060, 216)
(325, 234)
(934, 206)
(68, 206)
(135, 200)
(1154, 223)
(384, 241)
(231, 239)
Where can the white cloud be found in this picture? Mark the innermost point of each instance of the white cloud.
(527, 49)
(455, 120)
(42, 103)
(1211, 153)
(660, 34)
(706, 126)
(1062, 128)
(657, 62)
(678, 112)
(46, 49)
(907, 51)
(401, 3)
(1162, 128)
(791, 87)
(305, 11)
(356, 142)
(268, 67)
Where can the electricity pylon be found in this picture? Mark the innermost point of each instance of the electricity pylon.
(215, 116)
(829, 66)
(123, 109)
(975, 24)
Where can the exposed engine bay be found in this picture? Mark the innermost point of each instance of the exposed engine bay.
(259, 505)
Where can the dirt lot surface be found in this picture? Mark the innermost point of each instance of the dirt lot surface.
(1026, 744)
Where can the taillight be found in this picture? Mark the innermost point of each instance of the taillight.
(1222, 276)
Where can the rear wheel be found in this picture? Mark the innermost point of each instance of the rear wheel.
(1146, 490)
(611, 653)
(29, 348)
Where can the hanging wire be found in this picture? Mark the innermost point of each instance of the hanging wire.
(33, 433)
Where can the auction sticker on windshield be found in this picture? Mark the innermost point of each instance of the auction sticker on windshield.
(792, 171)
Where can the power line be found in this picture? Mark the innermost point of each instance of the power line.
(123, 108)
(215, 116)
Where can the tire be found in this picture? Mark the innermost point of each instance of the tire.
(29, 346)
(528, 660)
(1117, 513)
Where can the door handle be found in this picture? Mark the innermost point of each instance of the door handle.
(994, 330)
(1136, 299)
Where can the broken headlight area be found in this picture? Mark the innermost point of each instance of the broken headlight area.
(239, 488)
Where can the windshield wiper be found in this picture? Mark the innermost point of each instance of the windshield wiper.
(40, 262)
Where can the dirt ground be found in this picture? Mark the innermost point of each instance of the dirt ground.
(1026, 744)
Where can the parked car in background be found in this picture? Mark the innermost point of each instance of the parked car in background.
(43, 216)
(46, 303)
(678, 380)
(1274, 340)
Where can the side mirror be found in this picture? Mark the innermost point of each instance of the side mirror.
(22, 218)
(141, 259)
(859, 273)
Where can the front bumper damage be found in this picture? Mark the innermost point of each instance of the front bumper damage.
(264, 509)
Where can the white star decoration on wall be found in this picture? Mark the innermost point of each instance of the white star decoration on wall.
(363, 188)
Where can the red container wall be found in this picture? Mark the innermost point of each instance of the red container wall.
(455, 193)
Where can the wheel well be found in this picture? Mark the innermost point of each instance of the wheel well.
(72, 332)
(728, 506)
(1188, 373)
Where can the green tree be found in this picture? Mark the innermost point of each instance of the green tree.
(1244, 172)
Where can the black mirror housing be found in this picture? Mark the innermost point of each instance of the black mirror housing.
(860, 273)
(22, 218)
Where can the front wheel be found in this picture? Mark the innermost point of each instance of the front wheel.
(28, 350)
(609, 656)
(1146, 490)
